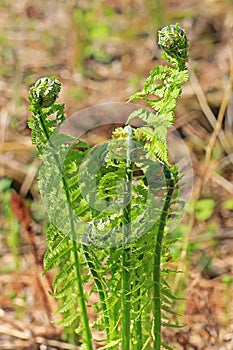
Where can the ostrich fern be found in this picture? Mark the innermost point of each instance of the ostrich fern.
(109, 207)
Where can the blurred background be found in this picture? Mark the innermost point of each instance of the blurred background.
(102, 51)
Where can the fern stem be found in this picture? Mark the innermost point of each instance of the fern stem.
(126, 299)
(80, 291)
(157, 258)
(138, 322)
(126, 266)
(99, 285)
(81, 297)
(114, 310)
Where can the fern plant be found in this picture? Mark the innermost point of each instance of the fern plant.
(109, 207)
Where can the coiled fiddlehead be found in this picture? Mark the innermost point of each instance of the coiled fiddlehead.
(173, 40)
(45, 92)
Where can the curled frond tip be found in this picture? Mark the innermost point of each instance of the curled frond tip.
(173, 40)
(45, 91)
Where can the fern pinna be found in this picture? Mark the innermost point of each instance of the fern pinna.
(109, 207)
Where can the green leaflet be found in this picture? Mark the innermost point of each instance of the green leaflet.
(61, 277)
(110, 345)
(166, 346)
(68, 321)
(68, 305)
(54, 257)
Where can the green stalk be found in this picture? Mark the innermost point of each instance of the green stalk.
(126, 286)
(100, 288)
(157, 258)
(114, 310)
(81, 298)
(138, 322)
(126, 266)
(80, 291)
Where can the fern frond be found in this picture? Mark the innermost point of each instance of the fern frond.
(61, 276)
(55, 256)
(168, 309)
(65, 290)
(68, 305)
(171, 325)
(166, 292)
(68, 321)
(166, 346)
(110, 345)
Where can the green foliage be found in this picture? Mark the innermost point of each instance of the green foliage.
(228, 204)
(204, 208)
(11, 228)
(91, 34)
(109, 207)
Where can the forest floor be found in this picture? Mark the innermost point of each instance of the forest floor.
(107, 60)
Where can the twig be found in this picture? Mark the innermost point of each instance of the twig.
(220, 180)
(27, 337)
(206, 109)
